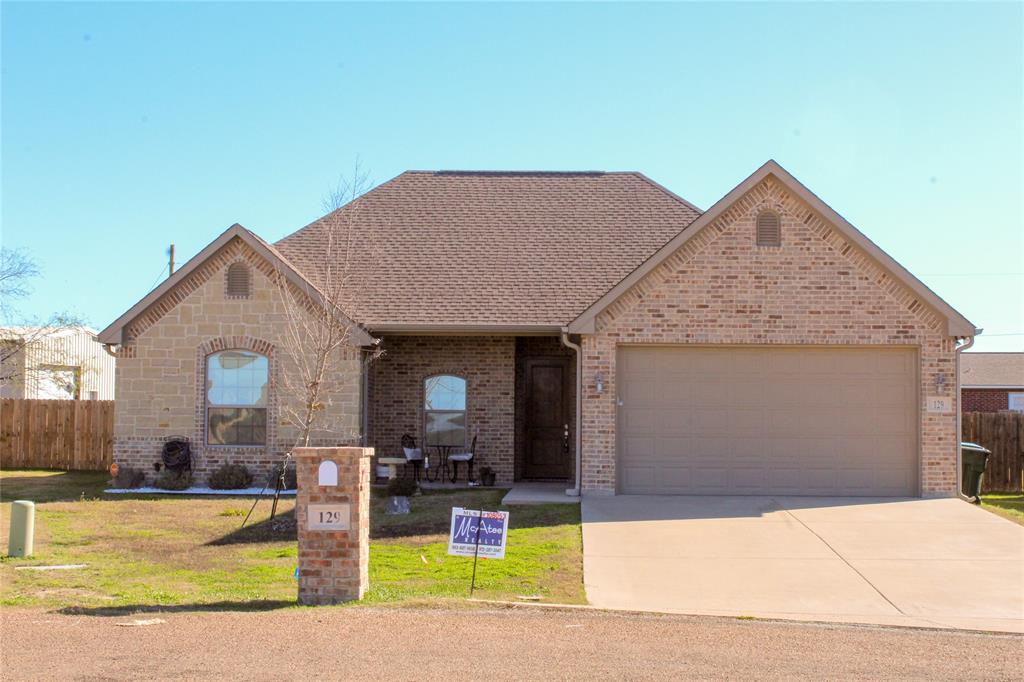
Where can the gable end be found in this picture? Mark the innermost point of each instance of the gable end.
(772, 188)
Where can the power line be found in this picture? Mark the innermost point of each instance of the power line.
(975, 274)
(158, 277)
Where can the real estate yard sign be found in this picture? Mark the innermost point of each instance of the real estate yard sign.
(478, 533)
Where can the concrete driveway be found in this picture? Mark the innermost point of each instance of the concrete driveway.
(930, 563)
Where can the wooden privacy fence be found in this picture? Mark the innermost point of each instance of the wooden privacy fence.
(1003, 434)
(56, 434)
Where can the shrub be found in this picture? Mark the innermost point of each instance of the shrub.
(402, 487)
(127, 477)
(173, 480)
(230, 477)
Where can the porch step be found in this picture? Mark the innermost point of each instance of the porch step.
(539, 492)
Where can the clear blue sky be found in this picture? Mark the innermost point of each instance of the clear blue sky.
(127, 126)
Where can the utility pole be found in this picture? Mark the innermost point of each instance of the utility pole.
(170, 267)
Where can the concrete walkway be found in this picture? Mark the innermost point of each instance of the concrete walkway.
(931, 563)
(539, 492)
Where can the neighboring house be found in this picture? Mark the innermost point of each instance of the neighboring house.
(991, 382)
(764, 346)
(54, 364)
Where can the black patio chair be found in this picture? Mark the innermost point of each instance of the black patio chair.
(413, 456)
(467, 457)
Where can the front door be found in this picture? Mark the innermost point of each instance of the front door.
(547, 429)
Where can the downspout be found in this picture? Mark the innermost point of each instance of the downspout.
(960, 419)
(575, 490)
(364, 398)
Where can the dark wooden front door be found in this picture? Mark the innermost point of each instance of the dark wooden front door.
(547, 429)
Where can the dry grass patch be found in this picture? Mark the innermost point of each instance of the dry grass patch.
(148, 552)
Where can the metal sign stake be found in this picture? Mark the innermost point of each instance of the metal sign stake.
(476, 551)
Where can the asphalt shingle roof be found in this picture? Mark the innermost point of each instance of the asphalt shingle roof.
(490, 248)
(992, 369)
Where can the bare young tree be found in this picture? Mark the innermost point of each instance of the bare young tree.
(319, 358)
(348, 188)
(16, 271)
(26, 343)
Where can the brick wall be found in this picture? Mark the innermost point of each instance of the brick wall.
(396, 393)
(333, 564)
(985, 399)
(817, 288)
(161, 370)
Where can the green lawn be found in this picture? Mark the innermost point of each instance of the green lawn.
(149, 552)
(1009, 505)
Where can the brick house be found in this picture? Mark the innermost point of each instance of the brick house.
(992, 382)
(587, 327)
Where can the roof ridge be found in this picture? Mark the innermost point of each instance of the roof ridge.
(666, 190)
(456, 171)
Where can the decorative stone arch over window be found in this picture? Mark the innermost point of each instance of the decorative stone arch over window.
(240, 343)
(444, 408)
(768, 227)
(238, 280)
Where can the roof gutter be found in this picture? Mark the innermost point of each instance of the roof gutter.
(960, 418)
(396, 329)
(577, 487)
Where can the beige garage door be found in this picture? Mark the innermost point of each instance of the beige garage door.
(757, 420)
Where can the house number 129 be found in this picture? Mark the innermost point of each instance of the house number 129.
(328, 517)
(331, 517)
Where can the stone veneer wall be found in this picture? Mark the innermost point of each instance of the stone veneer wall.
(161, 370)
(815, 289)
(396, 393)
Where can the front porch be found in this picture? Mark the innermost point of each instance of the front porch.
(515, 396)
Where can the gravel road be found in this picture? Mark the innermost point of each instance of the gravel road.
(496, 644)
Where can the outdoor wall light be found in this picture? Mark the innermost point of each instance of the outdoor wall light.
(940, 382)
(599, 382)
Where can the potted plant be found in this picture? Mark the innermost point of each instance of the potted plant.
(487, 476)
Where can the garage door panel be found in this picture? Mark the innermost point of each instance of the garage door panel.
(891, 421)
(711, 479)
(821, 481)
(639, 421)
(674, 391)
(815, 421)
(675, 479)
(639, 478)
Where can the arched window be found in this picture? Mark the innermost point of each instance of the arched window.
(236, 398)
(239, 283)
(444, 410)
(769, 229)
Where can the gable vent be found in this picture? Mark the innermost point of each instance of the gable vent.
(769, 229)
(239, 281)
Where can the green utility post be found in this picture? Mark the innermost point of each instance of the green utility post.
(23, 527)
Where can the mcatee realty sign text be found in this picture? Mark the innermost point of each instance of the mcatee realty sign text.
(492, 527)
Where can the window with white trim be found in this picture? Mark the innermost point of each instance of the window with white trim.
(444, 410)
(1015, 401)
(236, 398)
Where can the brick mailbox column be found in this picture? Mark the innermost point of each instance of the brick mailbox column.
(333, 523)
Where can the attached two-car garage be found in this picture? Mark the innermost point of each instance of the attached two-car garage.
(756, 420)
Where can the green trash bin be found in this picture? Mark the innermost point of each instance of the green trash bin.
(973, 459)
